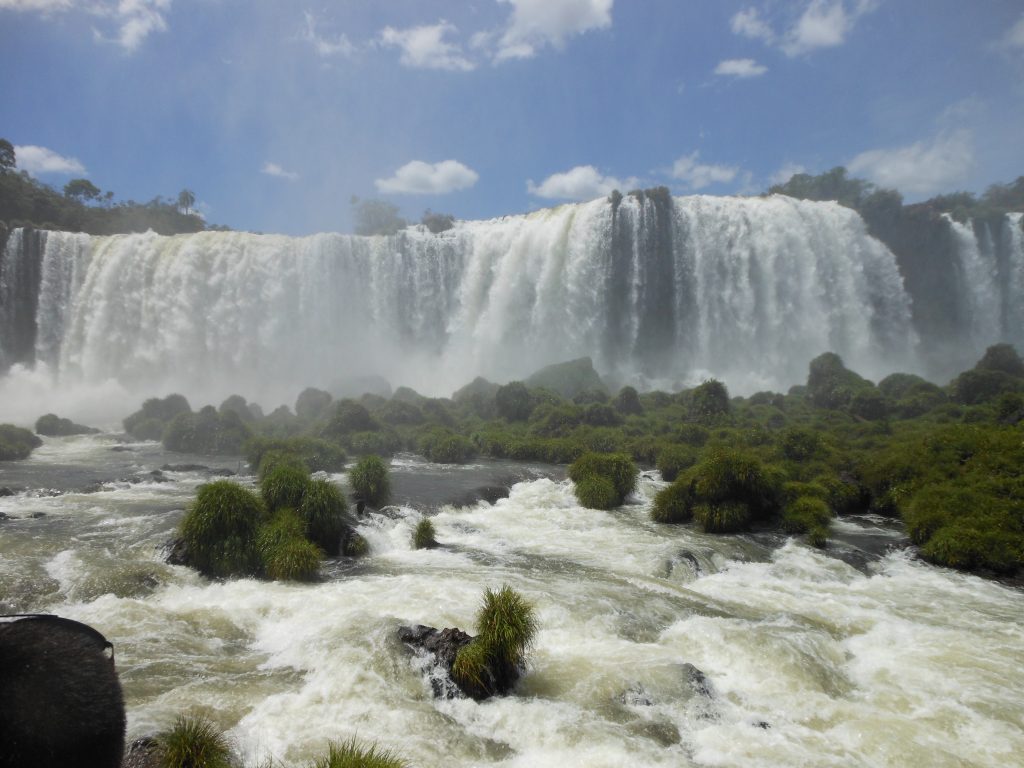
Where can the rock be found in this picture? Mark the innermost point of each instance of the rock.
(444, 645)
(698, 681)
(223, 472)
(143, 753)
(184, 467)
(5, 491)
(636, 696)
(488, 493)
(121, 448)
(4, 517)
(176, 552)
(52, 425)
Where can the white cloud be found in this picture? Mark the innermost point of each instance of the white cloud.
(40, 6)
(748, 23)
(821, 24)
(273, 169)
(922, 168)
(1014, 37)
(699, 175)
(786, 172)
(584, 182)
(420, 178)
(135, 20)
(325, 47)
(537, 23)
(425, 47)
(37, 160)
(740, 68)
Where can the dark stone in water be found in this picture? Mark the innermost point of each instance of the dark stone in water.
(444, 645)
(5, 491)
(223, 472)
(184, 467)
(636, 696)
(143, 753)
(698, 681)
(122, 448)
(488, 493)
(175, 552)
(38, 515)
(4, 517)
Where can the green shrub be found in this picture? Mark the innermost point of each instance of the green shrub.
(674, 459)
(982, 386)
(383, 442)
(312, 404)
(207, 432)
(351, 754)
(627, 402)
(155, 411)
(317, 455)
(52, 425)
(673, 504)
(507, 625)
(615, 467)
(423, 536)
(273, 459)
(830, 384)
(219, 530)
(283, 486)
(286, 553)
(799, 443)
(513, 401)
(348, 417)
(709, 402)
(369, 479)
(594, 492)
(470, 667)
(401, 412)
(1002, 358)
(325, 513)
(968, 545)
(722, 517)
(16, 443)
(693, 434)
(730, 476)
(443, 446)
(194, 742)
(804, 514)
(355, 545)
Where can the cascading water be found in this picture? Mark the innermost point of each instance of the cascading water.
(654, 289)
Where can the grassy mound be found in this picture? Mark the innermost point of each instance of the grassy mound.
(219, 530)
(617, 469)
(194, 742)
(351, 754)
(324, 512)
(424, 536)
(369, 479)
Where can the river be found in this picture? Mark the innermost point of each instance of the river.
(859, 655)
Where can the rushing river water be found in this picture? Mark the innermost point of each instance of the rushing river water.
(857, 656)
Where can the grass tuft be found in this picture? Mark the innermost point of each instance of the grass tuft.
(194, 742)
(352, 754)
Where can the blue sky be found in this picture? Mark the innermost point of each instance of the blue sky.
(276, 112)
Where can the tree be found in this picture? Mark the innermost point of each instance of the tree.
(7, 158)
(376, 217)
(437, 222)
(81, 190)
(186, 199)
(831, 185)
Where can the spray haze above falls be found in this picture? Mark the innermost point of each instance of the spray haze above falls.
(658, 291)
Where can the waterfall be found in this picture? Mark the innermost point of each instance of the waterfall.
(658, 291)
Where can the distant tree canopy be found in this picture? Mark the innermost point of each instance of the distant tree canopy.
(437, 222)
(878, 204)
(82, 207)
(376, 217)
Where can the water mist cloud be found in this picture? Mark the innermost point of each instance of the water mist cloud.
(420, 178)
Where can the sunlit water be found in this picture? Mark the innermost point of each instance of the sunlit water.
(851, 657)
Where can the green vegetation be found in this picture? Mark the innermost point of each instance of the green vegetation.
(507, 626)
(369, 479)
(194, 742)
(16, 443)
(424, 536)
(82, 207)
(149, 422)
(352, 754)
(603, 480)
(219, 530)
(325, 514)
(52, 425)
(207, 432)
(947, 460)
(286, 553)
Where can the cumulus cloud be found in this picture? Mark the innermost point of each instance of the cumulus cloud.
(584, 182)
(748, 23)
(425, 47)
(821, 24)
(38, 160)
(538, 23)
(420, 178)
(325, 47)
(922, 168)
(699, 175)
(740, 68)
(273, 169)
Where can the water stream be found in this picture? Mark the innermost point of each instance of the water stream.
(856, 656)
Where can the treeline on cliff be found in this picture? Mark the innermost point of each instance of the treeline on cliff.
(82, 207)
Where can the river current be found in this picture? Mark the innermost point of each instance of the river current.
(859, 655)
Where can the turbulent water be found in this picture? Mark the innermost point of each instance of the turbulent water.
(655, 289)
(850, 657)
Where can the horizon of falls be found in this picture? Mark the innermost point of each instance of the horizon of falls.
(658, 291)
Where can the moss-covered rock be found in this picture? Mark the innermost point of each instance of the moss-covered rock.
(155, 411)
(16, 443)
(52, 425)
